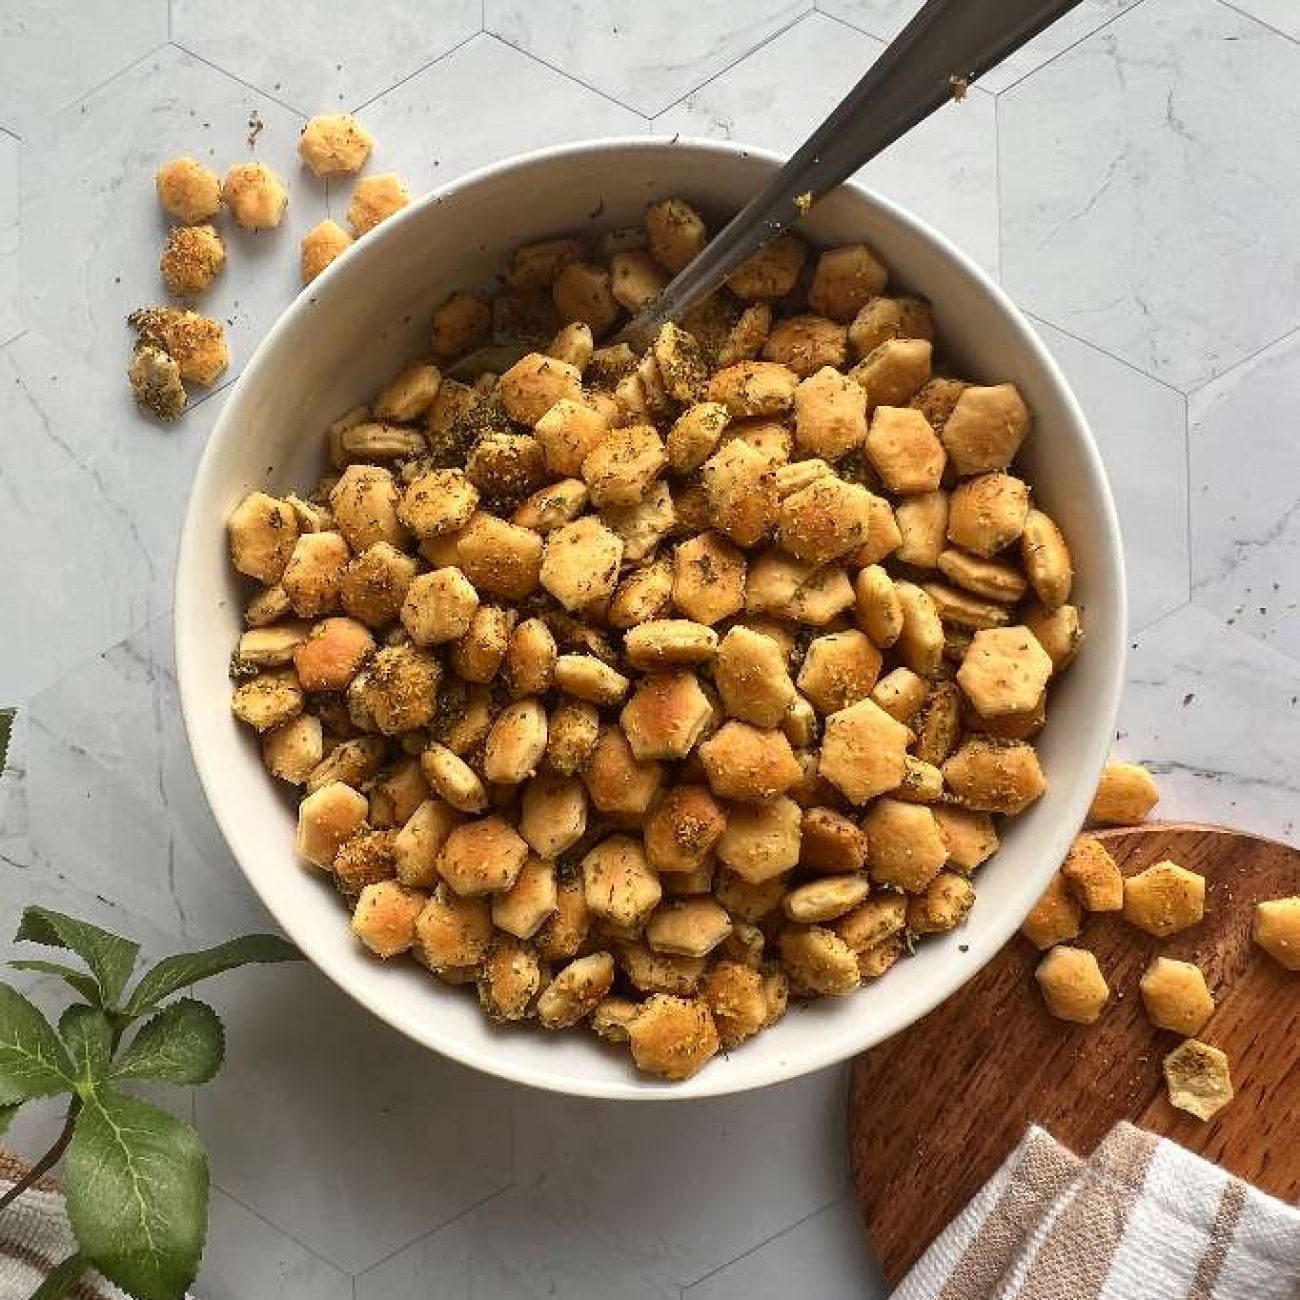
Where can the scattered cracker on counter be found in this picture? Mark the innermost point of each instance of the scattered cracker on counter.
(335, 144)
(156, 382)
(1093, 876)
(188, 191)
(375, 199)
(1126, 793)
(197, 342)
(191, 259)
(1164, 899)
(1056, 917)
(320, 246)
(1277, 930)
(1176, 996)
(1072, 984)
(1198, 1080)
(255, 195)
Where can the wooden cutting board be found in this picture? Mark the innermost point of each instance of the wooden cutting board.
(934, 1111)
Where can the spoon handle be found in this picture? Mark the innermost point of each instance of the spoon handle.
(946, 46)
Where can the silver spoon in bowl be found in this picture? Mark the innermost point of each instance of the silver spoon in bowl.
(934, 59)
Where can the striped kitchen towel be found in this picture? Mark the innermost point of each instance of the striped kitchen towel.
(1143, 1219)
(35, 1236)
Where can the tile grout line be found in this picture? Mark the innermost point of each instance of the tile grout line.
(437, 1228)
(108, 81)
(1255, 18)
(1087, 36)
(767, 1241)
(239, 81)
(739, 59)
(1141, 630)
(1136, 633)
(1088, 343)
(1237, 365)
(284, 1232)
(560, 72)
(850, 24)
(419, 72)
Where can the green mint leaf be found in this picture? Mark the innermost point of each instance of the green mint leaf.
(183, 1043)
(6, 728)
(88, 1035)
(7, 1114)
(109, 957)
(137, 1188)
(83, 983)
(175, 973)
(62, 1279)
(33, 1063)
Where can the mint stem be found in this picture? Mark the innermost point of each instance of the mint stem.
(47, 1161)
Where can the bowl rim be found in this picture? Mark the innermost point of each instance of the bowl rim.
(983, 947)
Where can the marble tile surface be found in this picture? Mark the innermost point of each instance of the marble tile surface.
(10, 273)
(417, 122)
(1217, 716)
(1281, 15)
(821, 1255)
(414, 1141)
(321, 56)
(105, 540)
(247, 1257)
(945, 171)
(1245, 465)
(643, 55)
(886, 18)
(1145, 220)
(1129, 174)
(1141, 427)
(54, 51)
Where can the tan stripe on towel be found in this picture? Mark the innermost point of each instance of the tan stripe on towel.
(1044, 1171)
(1221, 1235)
(1080, 1246)
(13, 1170)
(42, 1264)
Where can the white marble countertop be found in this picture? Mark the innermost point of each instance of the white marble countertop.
(1134, 178)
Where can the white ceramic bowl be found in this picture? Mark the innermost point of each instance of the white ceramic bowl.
(368, 314)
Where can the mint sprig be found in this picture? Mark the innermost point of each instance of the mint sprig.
(137, 1177)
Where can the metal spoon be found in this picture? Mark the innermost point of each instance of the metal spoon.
(935, 58)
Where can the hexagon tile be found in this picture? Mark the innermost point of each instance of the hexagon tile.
(1245, 464)
(246, 1256)
(418, 124)
(91, 227)
(104, 539)
(1281, 14)
(1140, 426)
(10, 308)
(613, 1178)
(945, 171)
(643, 55)
(319, 55)
(411, 1140)
(102, 810)
(827, 1246)
(1216, 715)
(1133, 188)
(616, 1168)
(57, 50)
(886, 18)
